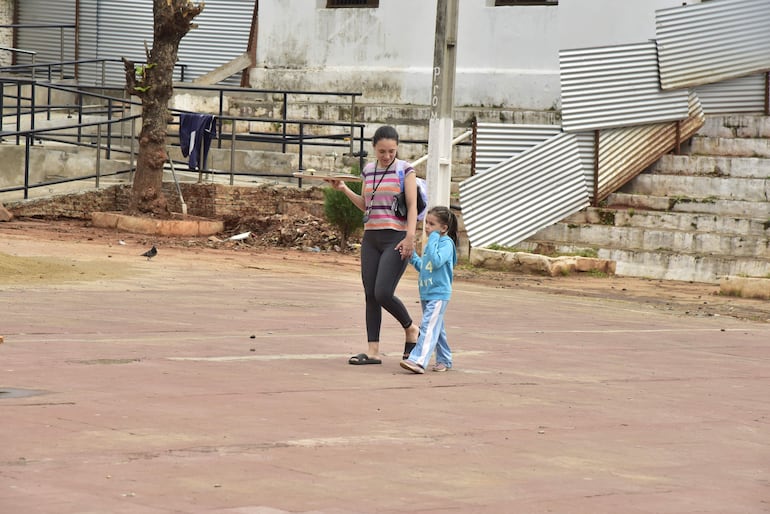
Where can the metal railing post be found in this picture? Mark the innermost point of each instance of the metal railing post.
(678, 145)
(26, 166)
(98, 153)
(61, 52)
(232, 151)
(32, 106)
(132, 162)
(361, 158)
(474, 142)
(301, 135)
(352, 121)
(18, 110)
(596, 168)
(219, 118)
(109, 128)
(284, 111)
(80, 117)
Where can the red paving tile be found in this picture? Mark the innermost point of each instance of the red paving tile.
(189, 384)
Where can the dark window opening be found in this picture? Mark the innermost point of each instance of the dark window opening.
(352, 3)
(526, 2)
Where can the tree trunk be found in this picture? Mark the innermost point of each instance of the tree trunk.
(153, 84)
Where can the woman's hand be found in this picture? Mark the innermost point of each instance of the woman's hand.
(339, 185)
(406, 247)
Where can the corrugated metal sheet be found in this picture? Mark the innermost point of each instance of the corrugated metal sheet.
(111, 30)
(615, 87)
(222, 35)
(745, 94)
(626, 152)
(524, 194)
(46, 41)
(712, 41)
(497, 142)
(106, 38)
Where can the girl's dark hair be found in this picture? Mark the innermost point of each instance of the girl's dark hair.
(385, 132)
(448, 218)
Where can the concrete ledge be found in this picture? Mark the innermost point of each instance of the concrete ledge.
(536, 263)
(187, 227)
(745, 287)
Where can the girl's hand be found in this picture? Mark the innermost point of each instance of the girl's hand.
(405, 247)
(339, 185)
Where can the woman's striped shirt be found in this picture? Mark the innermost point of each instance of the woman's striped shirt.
(379, 205)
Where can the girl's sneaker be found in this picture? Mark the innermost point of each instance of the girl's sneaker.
(440, 367)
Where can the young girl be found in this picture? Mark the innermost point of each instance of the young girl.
(436, 271)
(388, 240)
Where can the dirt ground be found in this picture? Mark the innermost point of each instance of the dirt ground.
(307, 239)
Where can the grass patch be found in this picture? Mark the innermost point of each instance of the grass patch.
(585, 252)
(501, 248)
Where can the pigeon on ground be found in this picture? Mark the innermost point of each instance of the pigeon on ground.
(152, 252)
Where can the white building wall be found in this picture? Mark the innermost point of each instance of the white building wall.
(506, 56)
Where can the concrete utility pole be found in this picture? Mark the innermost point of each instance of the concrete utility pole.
(439, 174)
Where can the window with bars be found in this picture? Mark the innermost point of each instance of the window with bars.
(351, 3)
(526, 2)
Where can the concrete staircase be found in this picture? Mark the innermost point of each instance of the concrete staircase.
(697, 217)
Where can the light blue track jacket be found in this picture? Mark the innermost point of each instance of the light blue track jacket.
(436, 267)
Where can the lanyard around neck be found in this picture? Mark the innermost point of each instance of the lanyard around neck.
(385, 172)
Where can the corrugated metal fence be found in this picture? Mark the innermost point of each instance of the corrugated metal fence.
(111, 30)
(497, 142)
(615, 87)
(621, 118)
(712, 41)
(521, 194)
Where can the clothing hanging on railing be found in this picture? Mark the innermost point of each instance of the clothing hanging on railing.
(195, 134)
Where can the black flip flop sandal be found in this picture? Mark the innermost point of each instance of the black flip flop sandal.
(362, 358)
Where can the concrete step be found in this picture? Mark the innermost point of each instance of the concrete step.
(666, 265)
(651, 240)
(666, 220)
(693, 217)
(691, 267)
(736, 126)
(734, 147)
(687, 186)
(717, 207)
(713, 166)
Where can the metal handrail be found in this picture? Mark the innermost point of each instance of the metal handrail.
(60, 26)
(50, 66)
(353, 132)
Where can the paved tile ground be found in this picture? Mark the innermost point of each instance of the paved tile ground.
(219, 383)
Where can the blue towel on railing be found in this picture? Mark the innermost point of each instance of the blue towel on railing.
(195, 134)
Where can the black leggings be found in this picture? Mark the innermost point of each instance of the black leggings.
(381, 269)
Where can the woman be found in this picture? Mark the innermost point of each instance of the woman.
(388, 241)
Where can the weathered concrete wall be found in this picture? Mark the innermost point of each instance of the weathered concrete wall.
(6, 35)
(47, 162)
(506, 56)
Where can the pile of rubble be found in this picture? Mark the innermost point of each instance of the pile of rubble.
(306, 232)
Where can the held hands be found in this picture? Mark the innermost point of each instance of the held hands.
(406, 247)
